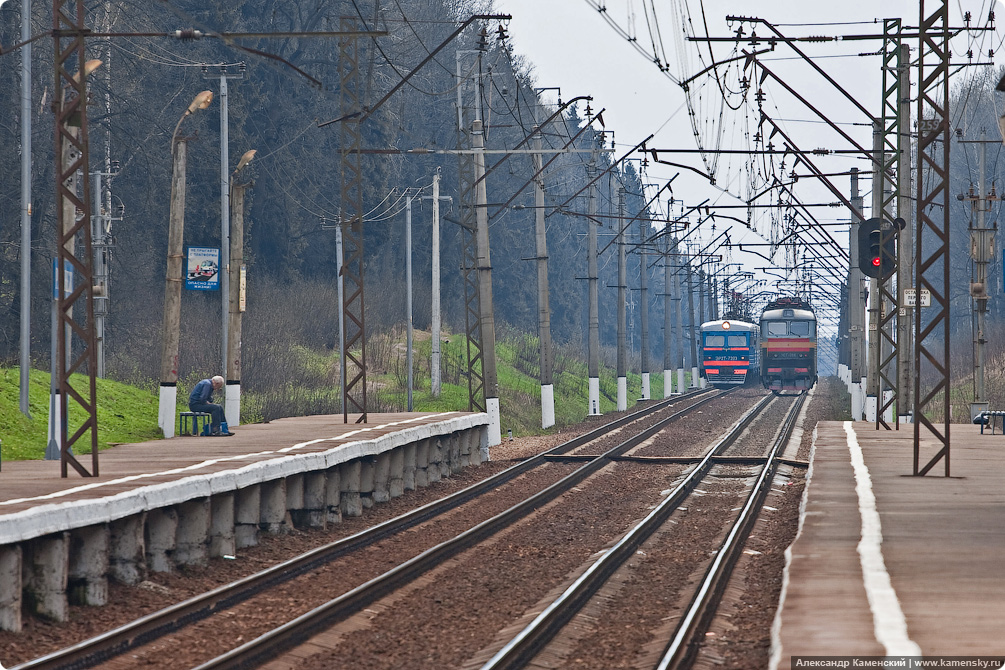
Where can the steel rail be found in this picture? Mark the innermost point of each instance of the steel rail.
(519, 651)
(684, 644)
(269, 645)
(100, 648)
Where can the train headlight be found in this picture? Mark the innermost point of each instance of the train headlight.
(725, 325)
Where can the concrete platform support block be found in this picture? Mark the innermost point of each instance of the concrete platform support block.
(422, 463)
(367, 471)
(333, 495)
(396, 484)
(87, 574)
(474, 438)
(10, 588)
(435, 457)
(162, 525)
(222, 541)
(192, 537)
(247, 515)
(447, 445)
(382, 478)
(127, 560)
(350, 499)
(483, 441)
(44, 575)
(295, 492)
(313, 514)
(408, 466)
(463, 439)
(454, 460)
(273, 517)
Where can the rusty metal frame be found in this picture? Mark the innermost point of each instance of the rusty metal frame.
(70, 112)
(932, 269)
(351, 173)
(891, 145)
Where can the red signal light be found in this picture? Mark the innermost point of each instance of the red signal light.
(877, 261)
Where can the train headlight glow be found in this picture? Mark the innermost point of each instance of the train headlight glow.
(725, 325)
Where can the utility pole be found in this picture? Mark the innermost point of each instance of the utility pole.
(484, 266)
(622, 307)
(543, 308)
(435, 382)
(644, 309)
(905, 241)
(101, 243)
(678, 312)
(236, 294)
(693, 328)
(593, 290)
(224, 269)
(25, 203)
(856, 302)
(408, 294)
(875, 299)
(667, 323)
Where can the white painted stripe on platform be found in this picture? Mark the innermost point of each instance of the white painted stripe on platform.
(56, 516)
(888, 620)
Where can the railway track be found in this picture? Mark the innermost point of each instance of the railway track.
(532, 645)
(169, 620)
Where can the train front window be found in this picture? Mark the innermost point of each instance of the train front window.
(715, 340)
(799, 328)
(777, 328)
(737, 341)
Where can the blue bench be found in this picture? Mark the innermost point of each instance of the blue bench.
(193, 419)
(990, 417)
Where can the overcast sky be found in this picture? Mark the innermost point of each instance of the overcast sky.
(571, 45)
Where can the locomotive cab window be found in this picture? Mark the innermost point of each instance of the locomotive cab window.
(800, 329)
(715, 340)
(737, 340)
(777, 328)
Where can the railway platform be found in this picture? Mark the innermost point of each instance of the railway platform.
(887, 564)
(166, 503)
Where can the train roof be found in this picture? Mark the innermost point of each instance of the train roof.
(734, 324)
(801, 309)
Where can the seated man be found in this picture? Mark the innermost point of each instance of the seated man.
(201, 400)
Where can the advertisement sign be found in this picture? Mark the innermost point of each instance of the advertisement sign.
(202, 269)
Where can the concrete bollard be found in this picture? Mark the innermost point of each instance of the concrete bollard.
(367, 468)
(382, 478)
(87, 580)
(222, 541)
(273, 518)
(408, 467)
(44, 575)
(396, 484)
(314, 515)
(333, 495)
(350, 498)
(162, 524)
(10, 588)
(127, 561)
(247, 515)
(192, 536)
(422, 463)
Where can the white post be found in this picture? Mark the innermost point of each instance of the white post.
(434, 370)
(408, 298)
(223, 272)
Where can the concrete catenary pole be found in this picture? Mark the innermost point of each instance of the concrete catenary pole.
(644, 309)
(905, 242)
(434, 367)
(692, 328)
(593, 362)
(875, 300)
(543, 308)
(678, 312)
(484, 266)
(856, 302)
(25, 204)
(224, 268)
(408, 297)
(236, 304)
(667, 323)
(622, 307)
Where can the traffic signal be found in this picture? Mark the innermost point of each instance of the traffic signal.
(876, 259)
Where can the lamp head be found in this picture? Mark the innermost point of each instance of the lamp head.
(200, 101)
(245, 159)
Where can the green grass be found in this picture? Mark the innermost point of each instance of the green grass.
(125, 414)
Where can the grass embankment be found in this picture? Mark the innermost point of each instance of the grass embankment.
(129, 414)
(125, 414)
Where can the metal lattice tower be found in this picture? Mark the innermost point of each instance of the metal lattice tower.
(889, 143)
(354, 345)
(77, 341)
(931, 339)
(469, 251)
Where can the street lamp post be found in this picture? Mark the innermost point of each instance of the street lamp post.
(172, 288)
